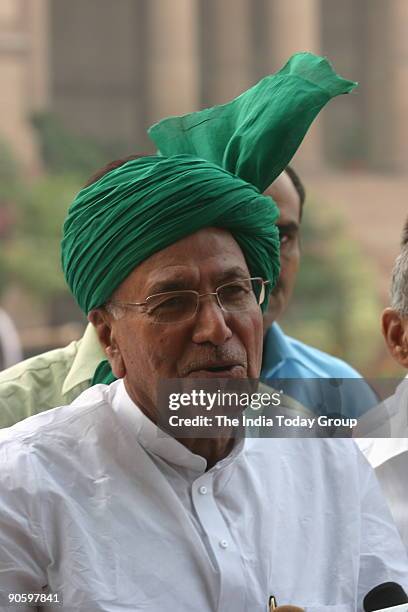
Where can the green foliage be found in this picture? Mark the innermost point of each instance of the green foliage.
(33, 256)
(8, 191)
(8, 170)
(64, 151)
(335, 306)
(29, 255)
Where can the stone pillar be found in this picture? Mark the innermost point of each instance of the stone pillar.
(387, 85)
(16, 88)
(97, 88)
(226, 49)
(379, 85)
(399, 67)
(292, 26)
(38, 60)
(344, 31)
(172, 70)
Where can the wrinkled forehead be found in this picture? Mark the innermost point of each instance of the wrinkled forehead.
(211, 253)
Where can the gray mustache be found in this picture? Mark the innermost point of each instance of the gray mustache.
(215, 354)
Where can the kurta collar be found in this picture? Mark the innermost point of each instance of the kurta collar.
(157, 441)
(87, 359)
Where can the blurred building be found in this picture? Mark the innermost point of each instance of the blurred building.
(24, 73)
(109, 69)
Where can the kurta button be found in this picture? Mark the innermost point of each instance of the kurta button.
(203, 490)
(224, 544)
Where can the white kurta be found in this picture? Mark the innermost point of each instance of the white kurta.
(97, 506)
(389, 456)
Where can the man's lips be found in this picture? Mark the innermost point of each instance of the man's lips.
(229, 370)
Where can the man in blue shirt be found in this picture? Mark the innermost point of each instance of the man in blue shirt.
(287, 358)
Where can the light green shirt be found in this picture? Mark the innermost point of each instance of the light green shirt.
(48, 380)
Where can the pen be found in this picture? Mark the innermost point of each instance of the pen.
(272, 603)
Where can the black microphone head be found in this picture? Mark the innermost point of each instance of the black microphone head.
(384, 595)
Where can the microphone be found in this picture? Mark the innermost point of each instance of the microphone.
(388, 596)
(273, 607)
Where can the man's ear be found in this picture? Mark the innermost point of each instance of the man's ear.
(395, 331)
(104, 325)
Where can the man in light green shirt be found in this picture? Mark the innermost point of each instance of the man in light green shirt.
(52, 379)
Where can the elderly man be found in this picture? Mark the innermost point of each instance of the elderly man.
(173, 258)
(59, 376)
(389, 455)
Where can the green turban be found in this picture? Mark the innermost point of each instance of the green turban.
(213, 166)
(148, 204)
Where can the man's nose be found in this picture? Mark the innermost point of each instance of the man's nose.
(210, 324)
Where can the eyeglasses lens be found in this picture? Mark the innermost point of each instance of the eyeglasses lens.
(239, 295)
(172, 307)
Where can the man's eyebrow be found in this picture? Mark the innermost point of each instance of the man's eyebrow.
(232, 273)
(176, 284)
(180, 284)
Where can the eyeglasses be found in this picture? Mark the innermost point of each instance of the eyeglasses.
(179, 306)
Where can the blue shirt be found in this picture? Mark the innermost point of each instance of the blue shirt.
(304, 367)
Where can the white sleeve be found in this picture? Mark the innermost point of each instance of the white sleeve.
(22, 549)
(382, 555)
